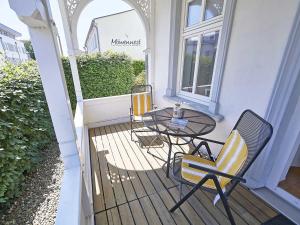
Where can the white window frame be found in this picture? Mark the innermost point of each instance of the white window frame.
(197, 30)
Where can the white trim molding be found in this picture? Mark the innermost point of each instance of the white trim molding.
(175, 46)
(74, 9)
(222, 54)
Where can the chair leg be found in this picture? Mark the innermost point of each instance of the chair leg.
(195, 188)
(196, 149)
(131, 130)
(180, 190)
(224, 200)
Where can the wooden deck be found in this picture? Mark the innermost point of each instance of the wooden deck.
(130, 187)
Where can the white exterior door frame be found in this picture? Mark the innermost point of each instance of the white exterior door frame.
(276, 110)
(274, 161)
(287, 147)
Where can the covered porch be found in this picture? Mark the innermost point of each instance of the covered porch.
(130, 186)
(108, 178)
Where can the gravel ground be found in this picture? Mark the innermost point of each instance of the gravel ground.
(37, 204)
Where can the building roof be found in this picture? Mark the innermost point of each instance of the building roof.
(10, 30)
(100, 17)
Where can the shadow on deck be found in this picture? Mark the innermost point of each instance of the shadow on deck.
(130, 187)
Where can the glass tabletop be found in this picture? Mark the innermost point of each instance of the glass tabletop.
(191, 124)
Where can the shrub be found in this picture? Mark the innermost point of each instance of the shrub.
(25, 125)
(104, 75)
(140, 79)
(101, 75)
(69, 81)
(138, 66)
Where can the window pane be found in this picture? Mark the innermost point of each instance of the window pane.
(189, 64)
(194, 12)
(206, 63)
(213, 8)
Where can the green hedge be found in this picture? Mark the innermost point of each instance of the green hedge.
(138, 66)
(69, 81)
(103, 75)
(25, 126)
(140, 79)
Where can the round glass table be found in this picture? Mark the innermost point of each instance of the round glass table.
(191, 125)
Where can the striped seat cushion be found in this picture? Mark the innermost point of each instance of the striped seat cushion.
(141, 103)
(194, 175)
(230, 160)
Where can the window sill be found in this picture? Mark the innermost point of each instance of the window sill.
(194, 105)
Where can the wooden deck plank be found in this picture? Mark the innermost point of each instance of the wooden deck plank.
(214, 211)
(118, 163)
(108, 194)
(178, 216)
(151, 170)
(126, 216)
(156, 164)
(187, 209)
(137, 212)
(127, 164)
(161, 210)
(115, 177)
(97, 186)
(139, 167)
(256, 201)
(113, 216)
(240, 215)
(101, 218)
(255, 212)
(198, 207)
(130, 187)
(149, 211)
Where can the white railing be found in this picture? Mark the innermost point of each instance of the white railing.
(107, 110)
(76, 200)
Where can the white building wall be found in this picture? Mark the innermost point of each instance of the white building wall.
(92, 44)
(126, 26)
(256, 48)
(12, 49)
(162, 50)
(259, 35)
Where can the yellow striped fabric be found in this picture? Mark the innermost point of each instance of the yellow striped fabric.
(141, 103)
(230, 160)
(194, 175)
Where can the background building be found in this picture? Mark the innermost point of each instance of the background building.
(121, 32)
(10, 48)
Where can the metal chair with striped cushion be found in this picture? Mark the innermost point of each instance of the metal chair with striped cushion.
(141, 103)
(221, 175)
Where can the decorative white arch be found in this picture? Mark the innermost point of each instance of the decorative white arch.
(74, 8)
(71, 11)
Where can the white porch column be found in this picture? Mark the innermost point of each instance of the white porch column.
(37, 15)
(72, 49)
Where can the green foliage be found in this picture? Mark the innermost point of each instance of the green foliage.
(138, 66)
(105, 75)
(206, 67)
(69, 81)
(29, 48)
(140, 79)
(101, 75)
(25, 125)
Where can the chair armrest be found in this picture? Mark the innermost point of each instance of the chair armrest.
(216, 172)
(210, 140)
(211, 171)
